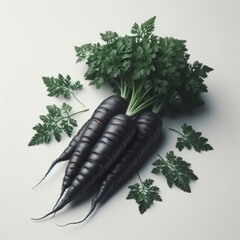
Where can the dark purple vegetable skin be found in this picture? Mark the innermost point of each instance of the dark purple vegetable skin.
(147, 138)
(67, 153)
(96, 124)
(117, 135)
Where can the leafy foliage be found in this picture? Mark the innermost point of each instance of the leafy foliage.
(109, 36)
(54, 123)
(191, 138)
(83, 52)
(176, 171)
(61, 86)
(145, 29)
(147, 69)
(144, 194)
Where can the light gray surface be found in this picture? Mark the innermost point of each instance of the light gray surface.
(38, 39)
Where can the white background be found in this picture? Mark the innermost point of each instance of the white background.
(37, 38)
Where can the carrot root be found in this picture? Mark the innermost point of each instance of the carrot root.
(48, 214)
(48, 171)
(59, 207)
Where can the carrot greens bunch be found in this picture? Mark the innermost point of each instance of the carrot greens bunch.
(145, 69)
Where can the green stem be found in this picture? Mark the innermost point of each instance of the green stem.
(78, 100)
(131, 111)
(186, 138)
(122, 85)
(159, 105)
(137, 102)
(140, 180)
(176, 131)
(132, 99)
(84, 110)
(171, 165)
(181, 134)
(120, 88)
(68, 116)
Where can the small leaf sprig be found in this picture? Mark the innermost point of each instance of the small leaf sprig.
(176, 170)
(58, 119)
(54, 123)
(62, 86)
(191, 138)
(144, 194)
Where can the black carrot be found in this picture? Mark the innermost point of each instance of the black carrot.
(104, 112)
(148, 136)
(117, 135)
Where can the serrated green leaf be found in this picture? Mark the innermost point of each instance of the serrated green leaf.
(83, 52)
(66, 108)
(44, 118)
(191, 138)
(144, 194)
(198, 142)
(57, 134)
(135, 29)
(68, 129)
(183, 143)
(61, 86)
(149, 25)
(54, 123)
(42, 135)
(176, 171)
(73, 122)
(109, 36)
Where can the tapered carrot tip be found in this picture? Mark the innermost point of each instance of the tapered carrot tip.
(71, 223)
(93, 206)
(59, 159)
(40, 218)
(38, 183)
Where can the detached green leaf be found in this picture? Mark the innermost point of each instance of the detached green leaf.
(176, 171)
(54, 123)
(42, 135)
(191, 138)
(61, 86)
(144, 194)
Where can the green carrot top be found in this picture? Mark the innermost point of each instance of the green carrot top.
(148, 70)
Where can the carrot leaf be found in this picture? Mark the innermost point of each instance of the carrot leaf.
(53, 124)
(190, 138)
(61, 86)
(176, 171)
(144, 194)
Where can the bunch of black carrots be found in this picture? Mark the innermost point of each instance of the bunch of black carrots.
(151, 77)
